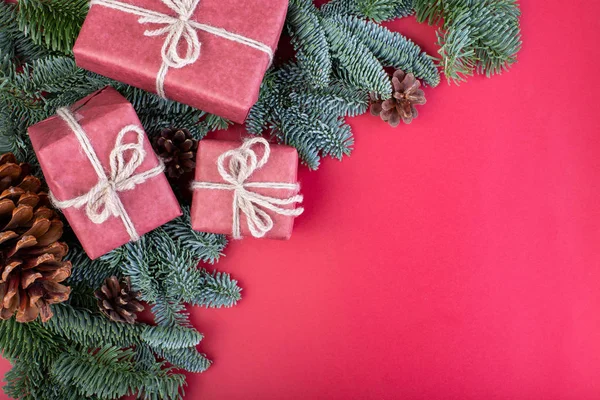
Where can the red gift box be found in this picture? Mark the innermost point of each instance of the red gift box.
(69, 171)
(213, 208)
(226, 77)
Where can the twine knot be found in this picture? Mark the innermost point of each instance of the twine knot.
(236, 167)
(103, 201)
(178, 30)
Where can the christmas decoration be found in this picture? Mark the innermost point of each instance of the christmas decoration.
(401, 107)
(191, 51)
(341, 52)
(125, 193)
(32, 263)
(118, 301)
(177, 148)
(259, 179)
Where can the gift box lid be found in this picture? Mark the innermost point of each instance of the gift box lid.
(226, 78)
(212, 209)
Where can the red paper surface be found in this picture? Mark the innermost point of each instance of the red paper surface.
(70, 174)
(212, 210)
(226, 78)
(453, 259)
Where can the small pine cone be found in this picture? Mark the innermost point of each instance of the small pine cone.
(117, 301)
(177, 148)
(31, 256)
(401, 107)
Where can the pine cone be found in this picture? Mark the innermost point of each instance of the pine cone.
(117, 301)
(177, 148)
(31, 257)
(402, 104)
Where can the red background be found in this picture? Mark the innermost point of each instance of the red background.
(455, 258)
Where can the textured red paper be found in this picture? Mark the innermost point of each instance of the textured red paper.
(212, 210)
(69, 172)
(226, 78)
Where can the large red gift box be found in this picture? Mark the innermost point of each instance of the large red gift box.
(213, 211)
(226, 77)
(70, 173)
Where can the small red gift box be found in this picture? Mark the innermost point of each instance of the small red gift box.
(110, 142)
(247, 189)
(209, 54)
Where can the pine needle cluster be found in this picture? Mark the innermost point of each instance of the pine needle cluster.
(80, 354)
(342, 53)
(476, 36)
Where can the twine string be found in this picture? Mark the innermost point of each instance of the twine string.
(179, 29)
(236, 167)
(102, 201)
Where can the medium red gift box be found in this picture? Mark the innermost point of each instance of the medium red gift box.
(219, 73)
(214, 202)
(69, 172)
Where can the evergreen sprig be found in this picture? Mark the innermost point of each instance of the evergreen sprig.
(355, 43)
(81, 354)
(476, 36)
(111, 372)
(15, 46)
(54, 24)
(341, 56)
(307, 117)
(376, 10)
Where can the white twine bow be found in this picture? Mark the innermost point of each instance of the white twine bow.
(103, 201)
(179, 29)
(243, 162)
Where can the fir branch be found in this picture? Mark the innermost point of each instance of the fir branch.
(476, 36)
(180, 278)
(339, 99)
(54, 24)
(138, 265)
(392, 49)
(14, 45)
(186, 358)
(294, 128)
(157, 113)
(29, 342)
(206, 247)
(111, 373)
(13, 138)
(305, 117)
(170, 337)
(93, 273)
(168, 312)
(356, 64)
(40, 87)
(91, 330)
(310, 41)
(31, 381)
(376, 10)
(217, 290)
(165, 271)
(183, 281)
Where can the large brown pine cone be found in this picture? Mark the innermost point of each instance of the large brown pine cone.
(401, 107)
(31, 257)
(117, 301)
(177, 148)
